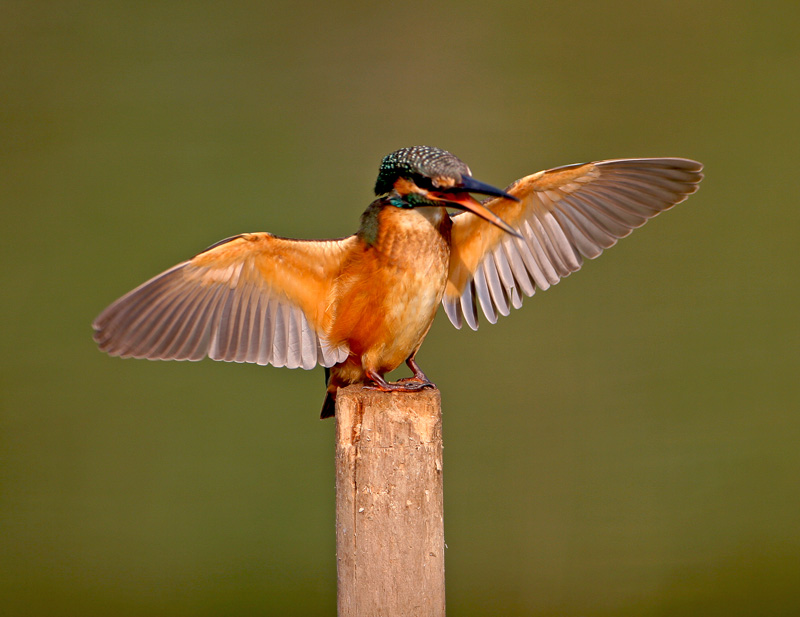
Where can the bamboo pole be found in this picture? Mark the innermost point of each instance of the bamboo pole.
(389, 509)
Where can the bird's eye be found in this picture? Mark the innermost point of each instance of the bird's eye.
(423, 182)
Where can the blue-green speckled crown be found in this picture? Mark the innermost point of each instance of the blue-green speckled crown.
(418, 162)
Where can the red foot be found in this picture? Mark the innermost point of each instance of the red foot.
(407, 384)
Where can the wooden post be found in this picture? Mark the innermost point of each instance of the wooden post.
(389, 509)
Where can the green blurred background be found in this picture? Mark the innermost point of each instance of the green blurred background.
(626, 444)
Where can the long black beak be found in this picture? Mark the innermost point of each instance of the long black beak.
(459, 197)
(471, 185)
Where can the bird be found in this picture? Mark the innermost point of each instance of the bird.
(360, 306)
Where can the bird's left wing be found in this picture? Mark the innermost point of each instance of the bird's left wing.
(563, 215)
(251, 298)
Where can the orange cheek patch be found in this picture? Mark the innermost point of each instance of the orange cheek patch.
(404, 186)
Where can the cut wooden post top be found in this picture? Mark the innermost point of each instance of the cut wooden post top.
(370, 418)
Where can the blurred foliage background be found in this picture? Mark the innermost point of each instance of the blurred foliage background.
(626, 444)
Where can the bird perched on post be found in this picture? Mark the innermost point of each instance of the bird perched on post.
(361, 305)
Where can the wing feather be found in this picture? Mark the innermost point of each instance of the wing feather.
(252, 298)
(506, 276)
(497, 293)
(564, 215)
(468, 306)
(267, 328)
(522, 278)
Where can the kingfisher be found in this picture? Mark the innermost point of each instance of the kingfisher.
(360, 306)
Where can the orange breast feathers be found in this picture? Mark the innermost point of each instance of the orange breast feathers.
(388, 293)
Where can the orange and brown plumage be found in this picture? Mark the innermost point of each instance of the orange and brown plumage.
(361, 306)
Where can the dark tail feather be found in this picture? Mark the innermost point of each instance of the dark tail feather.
(329, 406)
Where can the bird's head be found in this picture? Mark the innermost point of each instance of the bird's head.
(425, 176)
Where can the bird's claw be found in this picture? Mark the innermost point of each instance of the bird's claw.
(408, 384)
(419, 380)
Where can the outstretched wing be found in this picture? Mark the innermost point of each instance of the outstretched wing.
(564, 214)
(251, 298)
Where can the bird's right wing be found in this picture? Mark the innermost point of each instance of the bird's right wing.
(251, 298)
(562, 215)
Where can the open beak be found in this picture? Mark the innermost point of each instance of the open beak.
(459, 197)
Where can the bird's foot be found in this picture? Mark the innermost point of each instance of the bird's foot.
(407, 384)
(419, 376)
(423, 382)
